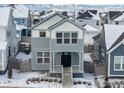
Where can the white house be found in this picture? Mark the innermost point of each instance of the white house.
(8, 40)
(88, 36)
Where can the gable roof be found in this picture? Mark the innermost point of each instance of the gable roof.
(90, 28)
(114, 14)
(47, 19)
(4, 15)
(119, 18)
(61, 22)
(20, 11)
(113, 34)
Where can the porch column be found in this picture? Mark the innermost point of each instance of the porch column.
(53, 60)
(80, 62)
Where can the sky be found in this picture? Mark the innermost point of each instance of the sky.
(89, 2)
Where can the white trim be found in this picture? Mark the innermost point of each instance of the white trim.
(121, 63)
(108, 64)
(3, 64)
(53, 60)
(116, 75)
(115, 47)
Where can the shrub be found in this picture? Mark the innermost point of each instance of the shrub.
(42, 79)
(60, 81)
(9, 71)
(55, 80)
(74, 82)
(46, 79)
(78, 82)
(84, 82)
(50, 80)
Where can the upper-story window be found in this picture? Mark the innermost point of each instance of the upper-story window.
(59, 38)
(74, 38)
(66, 38)
(42, 34)
(97, 23)
(23, 21)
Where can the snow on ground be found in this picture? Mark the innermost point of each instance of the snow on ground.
(88, 78)
(23, 56)
(19, 80)
(87, 57)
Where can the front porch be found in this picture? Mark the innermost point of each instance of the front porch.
(74, 61)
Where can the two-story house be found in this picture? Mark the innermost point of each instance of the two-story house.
(57, 42)
(8, 40)
(109, 49)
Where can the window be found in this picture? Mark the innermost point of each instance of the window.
(74, 38)
(117, 23)
(97, 23)
(119, 62)
(43, 57)
(59, 38)
(23, 21)
(42, 34)
(66, 38)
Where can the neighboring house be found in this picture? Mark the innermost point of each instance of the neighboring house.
(90, 17)
(57, 42)
(21, 16)
(113, 54)
(8, 40)
(112, 15)
(88, 37)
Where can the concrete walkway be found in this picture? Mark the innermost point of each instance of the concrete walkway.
(67, 80)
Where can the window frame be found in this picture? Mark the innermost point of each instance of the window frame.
(43, 57)
(59, 38)
(121, 63)
(44, 34)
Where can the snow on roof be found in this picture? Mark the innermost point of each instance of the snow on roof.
(23, 56)
(3, 45)
(112, 33)
(20, 11)
(120, 18)
(48, 14)
(20, 27)
(4, 15)
(90, 28)
(96, 17)
(87, 57)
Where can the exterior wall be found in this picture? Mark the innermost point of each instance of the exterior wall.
(40, 43)
(90, 22)
(38, 66)
(3, 34)
(67, 47)
(117, 52)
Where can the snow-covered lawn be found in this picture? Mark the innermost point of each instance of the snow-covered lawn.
(19, 80)
(87, 81)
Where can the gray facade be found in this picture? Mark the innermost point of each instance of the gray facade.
(119, 51)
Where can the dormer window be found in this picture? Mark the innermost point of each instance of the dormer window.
(42, 34)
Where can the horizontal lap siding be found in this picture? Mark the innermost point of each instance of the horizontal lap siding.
(117, 52)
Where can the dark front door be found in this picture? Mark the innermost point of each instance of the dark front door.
(66, 59)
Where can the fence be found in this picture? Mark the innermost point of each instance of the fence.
(23, 66)
(88, 67)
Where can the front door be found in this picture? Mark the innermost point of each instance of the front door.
(66, 59)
